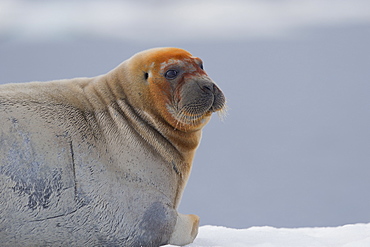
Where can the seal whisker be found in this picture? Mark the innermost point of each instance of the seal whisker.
(222, 113)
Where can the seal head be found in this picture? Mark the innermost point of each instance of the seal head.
(179, 90)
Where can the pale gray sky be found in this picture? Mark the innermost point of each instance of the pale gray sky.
(174, 20)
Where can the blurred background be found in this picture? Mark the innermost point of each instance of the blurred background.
(294, 149)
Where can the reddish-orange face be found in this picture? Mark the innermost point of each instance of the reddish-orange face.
(179, 88)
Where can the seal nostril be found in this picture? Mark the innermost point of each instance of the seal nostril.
(215, 88)
(208, 88)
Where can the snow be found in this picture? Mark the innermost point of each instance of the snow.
(356, 235)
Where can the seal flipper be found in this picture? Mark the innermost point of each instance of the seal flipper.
(186, 229)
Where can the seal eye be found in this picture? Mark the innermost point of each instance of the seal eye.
(171, 74)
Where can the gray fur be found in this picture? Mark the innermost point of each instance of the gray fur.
(56, 188)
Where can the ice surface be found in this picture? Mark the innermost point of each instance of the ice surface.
(357, 235)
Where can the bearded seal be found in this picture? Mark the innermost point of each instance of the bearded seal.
(104, 160)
